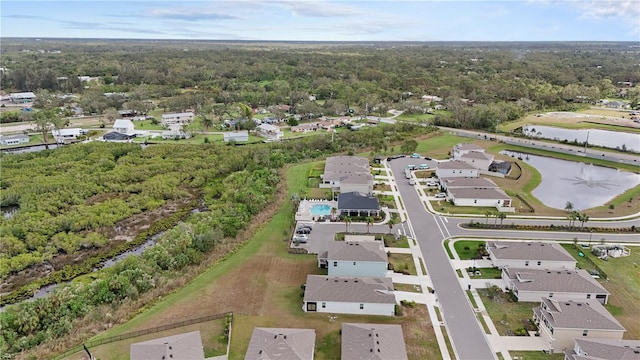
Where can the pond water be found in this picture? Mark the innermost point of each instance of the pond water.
(584, 185)
(602, 138)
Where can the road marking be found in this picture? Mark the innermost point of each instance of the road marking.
(444, 218)
(438, 225)
(413, 234)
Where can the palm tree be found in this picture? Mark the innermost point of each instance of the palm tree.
(392, 221)
(487, 214)
(369, 221)
(347, 221)
(572, 217)
(502, 215)
(206, 123)
(583, 218)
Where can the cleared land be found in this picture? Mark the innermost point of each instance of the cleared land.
(613, 120)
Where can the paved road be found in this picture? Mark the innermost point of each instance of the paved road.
(468, 339)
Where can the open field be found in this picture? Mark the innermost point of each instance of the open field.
(584, 119)
(623, 284)
(268, 281)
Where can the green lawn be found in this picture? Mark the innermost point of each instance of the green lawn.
(403, 263)
(488, 273)
(415, 117)
(390, 241)
(535, 355)
(467, 249)
(507, 315)
(147, 125)
(438, 146)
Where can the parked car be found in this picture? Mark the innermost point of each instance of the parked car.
(423, 166)
(411, 167)
(412, 182)
(415, 155)
(441, 196)
(301, 238)
(303, 231)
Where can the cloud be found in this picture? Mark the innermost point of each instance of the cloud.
(191, 14)
(317, 8)
(627, 11)
(21, 16)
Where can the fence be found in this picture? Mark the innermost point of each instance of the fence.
(97, 342)
(601, 272)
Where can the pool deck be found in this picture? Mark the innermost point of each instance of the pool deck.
(304, 209)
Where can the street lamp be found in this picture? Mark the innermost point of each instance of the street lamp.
(590, 235)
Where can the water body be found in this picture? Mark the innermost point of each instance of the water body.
(584, 185)
(602, 138)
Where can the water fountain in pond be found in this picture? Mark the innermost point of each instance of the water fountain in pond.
(587, 178)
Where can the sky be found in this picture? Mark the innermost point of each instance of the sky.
(326, 20)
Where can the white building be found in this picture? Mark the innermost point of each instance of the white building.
(533, 284)
(372, 341)
(464, 148)
(179, 119)
(349, 295)
(455, 168)
(355, 258)
(347, 174)
(530, 255)
(270, 132)
(237, 136)
(68, 134)
(124, 126)
(22, 97)
(483, 197)
(561, 322)
(9, 140)
(478, 159)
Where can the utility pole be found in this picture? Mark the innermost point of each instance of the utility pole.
(586, 143)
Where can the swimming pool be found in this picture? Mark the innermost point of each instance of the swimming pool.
(320, 210)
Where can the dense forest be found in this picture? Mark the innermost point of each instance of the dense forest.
(71, 199)
(503, 80)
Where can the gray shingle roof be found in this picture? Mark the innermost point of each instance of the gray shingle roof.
(281, 343)
(571, 314)
(349, 289)
(356, 251)
(455, 165)
(373, 342)
(477, 155)
(473, 182)
(478, 193)
(187, 346)
(557, 281)
(357, 201)
(507, 250)
(605, 349)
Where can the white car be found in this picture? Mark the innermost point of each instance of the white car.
(412, 182)
(431, 183)
(301, 238)
(441, 196)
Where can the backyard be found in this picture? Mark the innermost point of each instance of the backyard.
(508, 316)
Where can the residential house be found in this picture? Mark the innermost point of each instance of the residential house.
(347, 174)
(431, 98)
(117, 137)
(124, 126)
(186, 346)
(455, 168)
(617, 104)
(305, 128)
(372, 342)
(355, 258)
(477, 159)
(270, 132)
(175, 133)
(233, 123)
(10, 140)
(281, 343)
(22, 97)
(349, 295)
(178, 119)
(534, 284)
(604, 349)
(467, 182)
(127, 113)
(530, 255)
(562, 321)
(68, 134)
(481, 197)
(236, 136)
(463, 149)
(358, 204)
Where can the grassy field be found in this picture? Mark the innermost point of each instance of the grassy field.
(623, 284)
(438, 145)
(403, 263)
(268, 280)
(591, 119)
(535, 355)
(466, 249)
(418, 118)
(507, 315)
